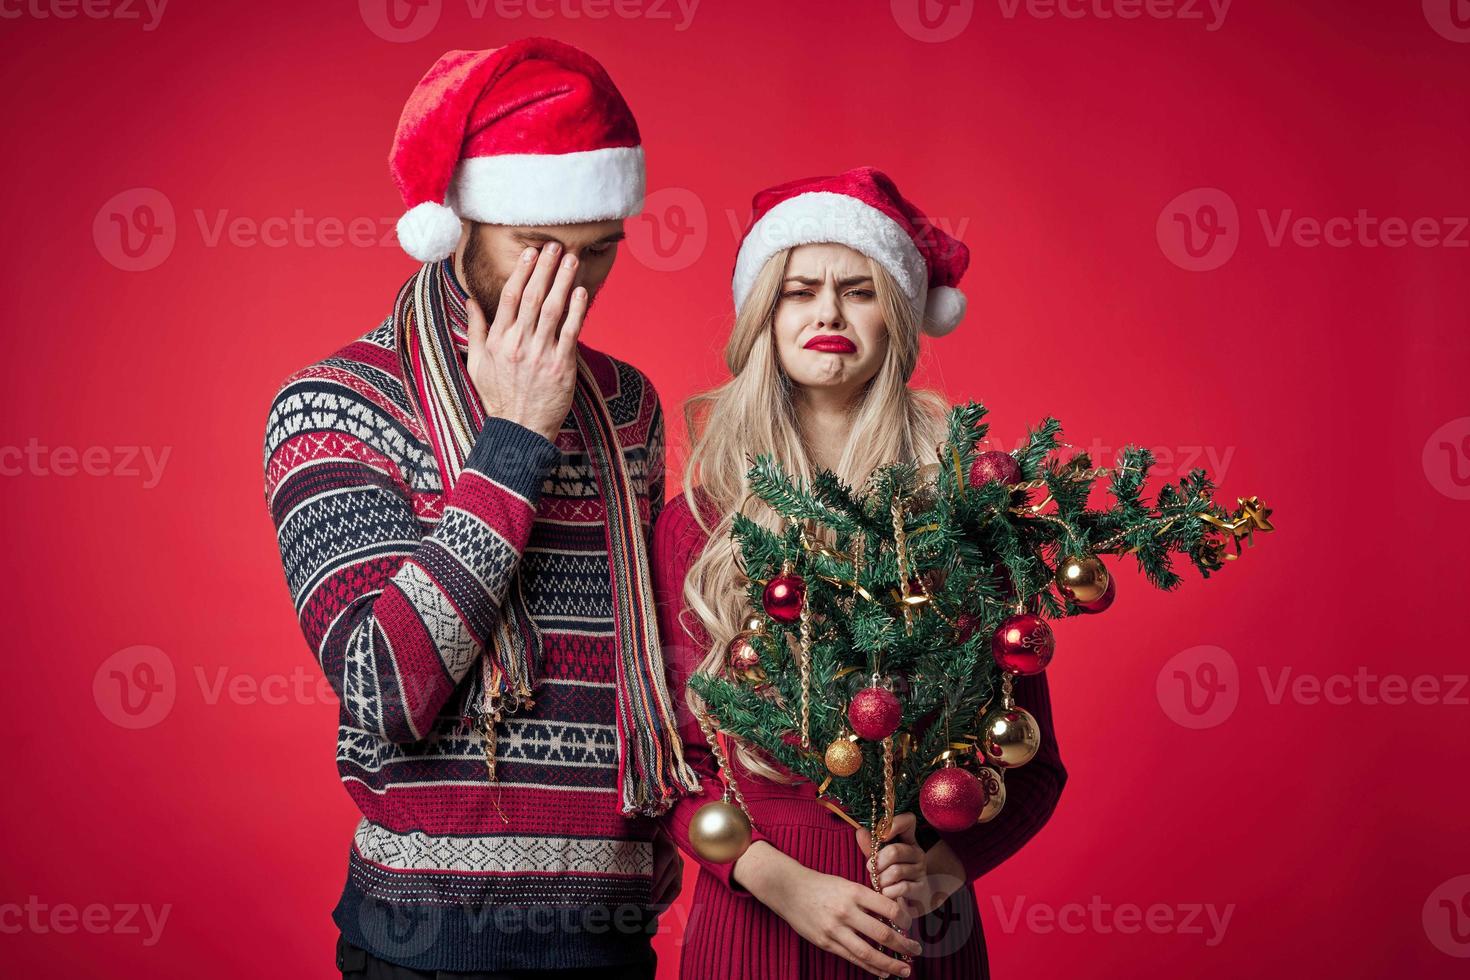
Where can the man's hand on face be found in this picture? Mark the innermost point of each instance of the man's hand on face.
(524, 364)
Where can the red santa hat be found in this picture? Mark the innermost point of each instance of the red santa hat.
(532, 133)
(862, 209)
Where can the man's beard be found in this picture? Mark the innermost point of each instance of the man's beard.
(483, 283)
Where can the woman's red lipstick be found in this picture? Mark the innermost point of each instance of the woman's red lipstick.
(836, 345)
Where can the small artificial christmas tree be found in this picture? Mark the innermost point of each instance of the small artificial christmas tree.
(889, 621)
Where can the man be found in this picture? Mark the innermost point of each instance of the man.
(462, 499)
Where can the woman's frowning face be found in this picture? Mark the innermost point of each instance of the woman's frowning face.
(829, 327)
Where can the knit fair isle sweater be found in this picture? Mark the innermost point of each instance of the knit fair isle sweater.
(397, 582)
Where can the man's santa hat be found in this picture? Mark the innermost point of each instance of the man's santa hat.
(533, 133)
(863, 210)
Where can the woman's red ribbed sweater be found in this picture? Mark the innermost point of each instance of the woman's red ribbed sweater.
(730, 933)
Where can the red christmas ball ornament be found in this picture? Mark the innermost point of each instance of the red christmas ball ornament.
(1024, 644)
(965, 625)
(952, 799)
(994, 465)
(1103, 601)
(874, 713)
(784, 596)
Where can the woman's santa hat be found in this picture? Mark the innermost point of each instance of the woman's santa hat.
(863, 210)
(533, 133)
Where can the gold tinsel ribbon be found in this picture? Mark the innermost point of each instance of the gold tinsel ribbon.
(806, 675)
(710, 728)
(1251, 516)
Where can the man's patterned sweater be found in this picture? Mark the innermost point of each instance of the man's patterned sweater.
(396, 583)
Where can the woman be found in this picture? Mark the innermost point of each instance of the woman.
(833, 284)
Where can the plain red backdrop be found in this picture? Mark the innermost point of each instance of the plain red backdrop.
(1072, 153)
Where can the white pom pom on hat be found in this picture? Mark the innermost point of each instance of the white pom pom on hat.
(429, 232)
(862, 209)
(943, 310)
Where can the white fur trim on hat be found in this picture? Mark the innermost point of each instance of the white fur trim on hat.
(943, 310)
(823, 216)
(550, 188)
(429, 232)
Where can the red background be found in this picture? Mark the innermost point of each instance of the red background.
(1319, 378)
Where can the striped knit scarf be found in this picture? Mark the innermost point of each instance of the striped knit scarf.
(652, 772)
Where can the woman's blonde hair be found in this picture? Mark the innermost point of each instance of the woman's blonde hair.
(754, 413)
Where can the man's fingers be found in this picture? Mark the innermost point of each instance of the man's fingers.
(556, 301)
(538, 286)
(566, 344)
(510, 293)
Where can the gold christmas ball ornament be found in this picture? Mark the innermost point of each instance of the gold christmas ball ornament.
(926, 495)
(995, 793)
(843, 757)
(1082, 579)
(743, 657)
(754, 624)
(720, 832)
(1009, 737)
